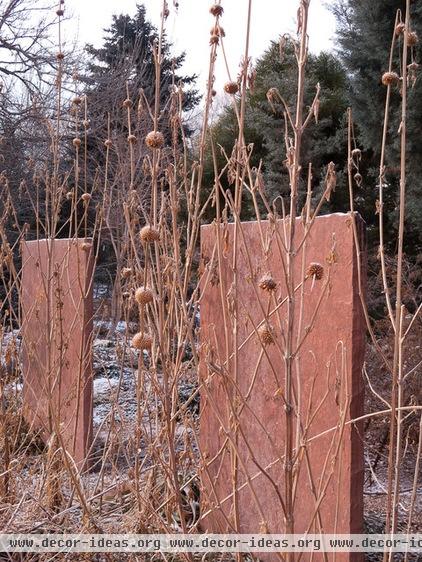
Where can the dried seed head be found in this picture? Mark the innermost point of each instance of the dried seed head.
(217, 30)
(60, 12)
(400, 27)
(126, 272)
(315, 270)
(231, 88)
(267, 283)
(413, 67)
(217, 10)
(60, 56)
(412, 38)
(149, 234)
(69, 195)
(108, 143)
(166, 13)
(358, 179)
(77, 100)
(214, 40)
(76, 142)
(86, 197)
(142, 340)
(390, 78)
(86, 123)
(266, 334)
(131, 139)
(86, 246)
(213, 93)
(127, 104)
(356, 153)
(143, 295)
(154, 140)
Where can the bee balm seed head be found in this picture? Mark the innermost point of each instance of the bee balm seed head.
(315, 270)
(143, 295)
(154, 140)
(149, 234)
(142, 340)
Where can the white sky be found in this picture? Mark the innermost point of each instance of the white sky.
(189, 28)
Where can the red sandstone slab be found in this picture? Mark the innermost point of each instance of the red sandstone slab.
(57, 340)
(327, 379)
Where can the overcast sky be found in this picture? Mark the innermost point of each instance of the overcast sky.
(189, 27)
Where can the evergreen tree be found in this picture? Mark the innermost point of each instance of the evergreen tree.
(364, 35)
(126, 62)
(324, 141)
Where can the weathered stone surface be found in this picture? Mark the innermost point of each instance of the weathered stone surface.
(57, 340)
(327, 380)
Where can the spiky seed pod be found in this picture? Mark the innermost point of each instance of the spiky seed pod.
(142, 340)
(231, 88)
(315, 270)
(356, 153)
(149, 234)
(143, 295)
(217, 10)
(126, 272)
(76, 142)
(267, 283)
(217, 30)
(131, 139)
(60, 12)
(77, 100)
(60, 56)
(412, 38)
(390, 78)
(154, 140)
(108, 143)
(127, 104)
(214, 40)
(400, 27)
(86, 197)
(266, 334)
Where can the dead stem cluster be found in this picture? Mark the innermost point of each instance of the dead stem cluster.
(147, 455)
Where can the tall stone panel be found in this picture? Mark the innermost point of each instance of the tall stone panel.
(57, 311)
(242, 398)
